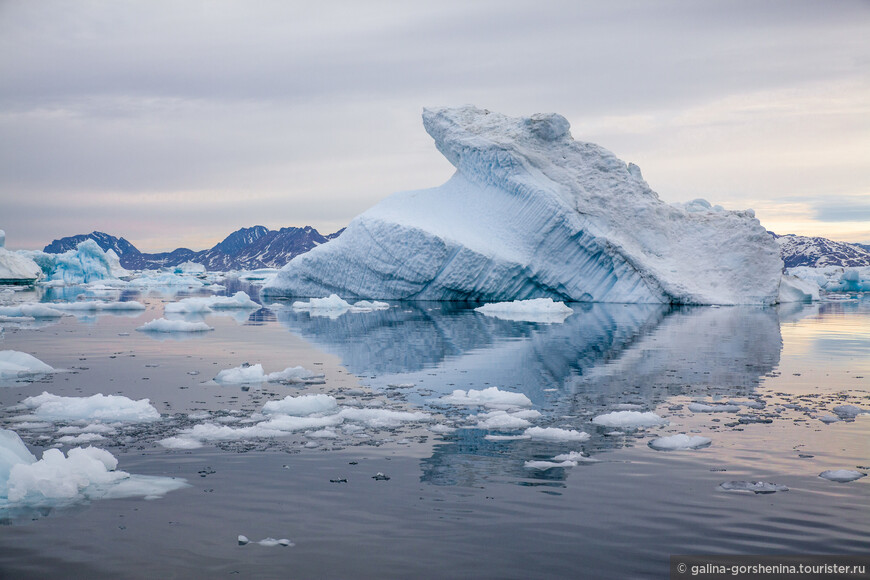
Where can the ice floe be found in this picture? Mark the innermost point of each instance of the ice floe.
(753, 486)
(15, 364)
(99, 407)
(164, 325)
(714, 408)
(489, 397)
(849, 411)
(680, 442)
(305, 413)
(84, 473)
(248, 373)
(204, 305)
(534, 310)
(332, 306)
(842, 475)
(629, 419)
(268, 542)
(556, 434)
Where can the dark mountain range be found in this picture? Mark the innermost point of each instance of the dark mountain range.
(260, 247)
(818, 252)
(245, 249)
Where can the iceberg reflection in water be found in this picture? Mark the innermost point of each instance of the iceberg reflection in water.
(604, 358)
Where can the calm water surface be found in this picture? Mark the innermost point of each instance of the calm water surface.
(458, 504)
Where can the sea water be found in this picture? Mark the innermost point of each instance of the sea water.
(443, 497)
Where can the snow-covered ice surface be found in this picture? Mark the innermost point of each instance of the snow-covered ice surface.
(435, 438)
(531, 213)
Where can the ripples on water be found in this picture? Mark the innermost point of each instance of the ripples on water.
(458, 504)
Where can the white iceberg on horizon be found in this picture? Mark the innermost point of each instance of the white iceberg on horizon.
(531, 213)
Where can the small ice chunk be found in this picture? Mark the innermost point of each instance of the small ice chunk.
(829, 419)
(715, 408)
(163, 325)
(544, 465)
(753, 486)
(243, 540)
(629, 419)
(680, 442)
(536, 310)
(849, 411)
(556, 434)
(500, 420)
(842, 475)
(302, 406)
(490, 397)
(99, 407)
(576, 456)
(15, 364)
(505, 437)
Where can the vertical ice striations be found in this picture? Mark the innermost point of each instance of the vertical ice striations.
(531, 213)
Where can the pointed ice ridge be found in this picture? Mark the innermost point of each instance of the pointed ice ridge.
(531, 213)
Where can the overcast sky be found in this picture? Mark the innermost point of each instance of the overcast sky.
(173, 123)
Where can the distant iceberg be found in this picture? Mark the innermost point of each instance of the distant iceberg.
(531, 213)
(16, 268)
(87, 263)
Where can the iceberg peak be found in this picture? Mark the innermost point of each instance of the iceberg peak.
(533, 213)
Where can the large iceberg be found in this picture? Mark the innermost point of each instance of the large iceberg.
(532, 213)
(87, 263)
(16, 268)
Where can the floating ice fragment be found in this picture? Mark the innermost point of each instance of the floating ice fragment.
(714, 408)
(380, 477)
(501, 420)
(842, 475)
(753, 486)
(163, 325)
(332, 306)
(490, 397)
(15, 364)
(849, 411)
(556, 434)
(243, 540)
(58, 479)
(680, 442)
(302, 406)
(535, 310)
(99, 306)
(99, 407)
(629, 419)
(208, 304)
(30, 310)
(505, 437)
(544, 465)
(829, 419)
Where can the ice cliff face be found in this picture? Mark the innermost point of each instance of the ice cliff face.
(531, 213)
